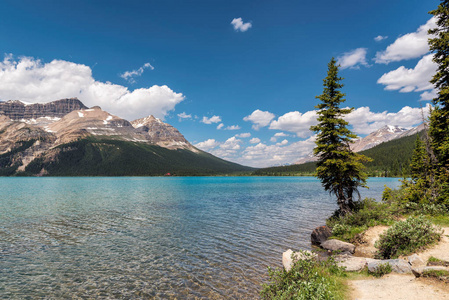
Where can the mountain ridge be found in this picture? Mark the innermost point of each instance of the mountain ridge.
(85, 140)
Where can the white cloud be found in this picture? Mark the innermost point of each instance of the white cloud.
(207, 145)
(31, 80)
(283, 143)
(238, 25)
(429, 95)
(183, 115)
(296, 122)
(254, 140)
(233, 127)
(220, 126)
(408, 46)
(364, 121)
(129, 75)
(281, 134)
(213, 119)
(262, 155)
(408, 80)
(259, 118)
(232, 143)
(273, 139)
(353, 59)
(380, 38)
(244, 135)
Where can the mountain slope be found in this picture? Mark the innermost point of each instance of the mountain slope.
(92, 142)
(390, 159)
(382, 135)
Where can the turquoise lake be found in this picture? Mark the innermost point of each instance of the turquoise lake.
(152, 237)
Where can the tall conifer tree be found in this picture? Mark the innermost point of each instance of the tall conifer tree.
(439, 118)
(339, 169)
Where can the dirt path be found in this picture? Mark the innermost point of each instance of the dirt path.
(395, 286)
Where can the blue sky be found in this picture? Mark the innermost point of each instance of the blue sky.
(253, 66)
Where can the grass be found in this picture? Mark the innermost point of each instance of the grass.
(436, 273)
(433, 261)
(308, 279)
(381, 270)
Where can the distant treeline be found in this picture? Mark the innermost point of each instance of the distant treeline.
(390, 159)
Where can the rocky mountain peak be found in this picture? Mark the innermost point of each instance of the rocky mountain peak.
(161, 133)
(18, 110)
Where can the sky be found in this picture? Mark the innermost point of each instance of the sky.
(237, 78)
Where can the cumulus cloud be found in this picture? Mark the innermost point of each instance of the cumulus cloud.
(262, 155)
(220, 126)
(207, 145)
(233, 127)
(408, 80)
(213, 119)
(408, 46)
(380, 38)
(129, 75)
(364, 121)
(273, 139)
(244, 135)
(32, 80)
(296, 122)
(429, 95)
(184, 116)
(353, 59)
(238, 25)
(280, 134)
(259, 118)
(254, 140)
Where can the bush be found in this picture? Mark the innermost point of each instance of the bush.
(366, 213)
(308, 279)
(382, 269)
(406, 237)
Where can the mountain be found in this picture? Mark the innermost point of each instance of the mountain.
(65, 138)
(391, 158)
(382, 135)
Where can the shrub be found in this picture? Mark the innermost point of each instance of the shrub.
(382, 269)
(366, 213)
(308, 279)
(406, 237)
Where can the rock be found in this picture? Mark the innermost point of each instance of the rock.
(336, 245)
(415, 261)
(418, 271)
(397, 265)
(352, 263)
(320, 235)
(288, 257)
(17, 110)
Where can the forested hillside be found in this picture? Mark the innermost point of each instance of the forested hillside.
(390, 159)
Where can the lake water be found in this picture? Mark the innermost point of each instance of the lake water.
(158, 238)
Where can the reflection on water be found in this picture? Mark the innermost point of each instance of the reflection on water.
(191, 237)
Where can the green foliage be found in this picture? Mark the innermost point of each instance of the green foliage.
(308, 279)
(366, 213)
(107, 157)
(338, 168)
(381, 270)
(439, 117)
(443, 274)
(405, 237)
(389, 159)
(433, 261)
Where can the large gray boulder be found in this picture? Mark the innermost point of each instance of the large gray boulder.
(320, 235)
(289, 257)
(336, 245)
(351, 263)
(415, 261)
(397, 265)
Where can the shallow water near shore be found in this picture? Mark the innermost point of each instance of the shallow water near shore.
(140, 237)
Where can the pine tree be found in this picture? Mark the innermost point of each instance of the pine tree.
(439, 118)
(339, 169)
